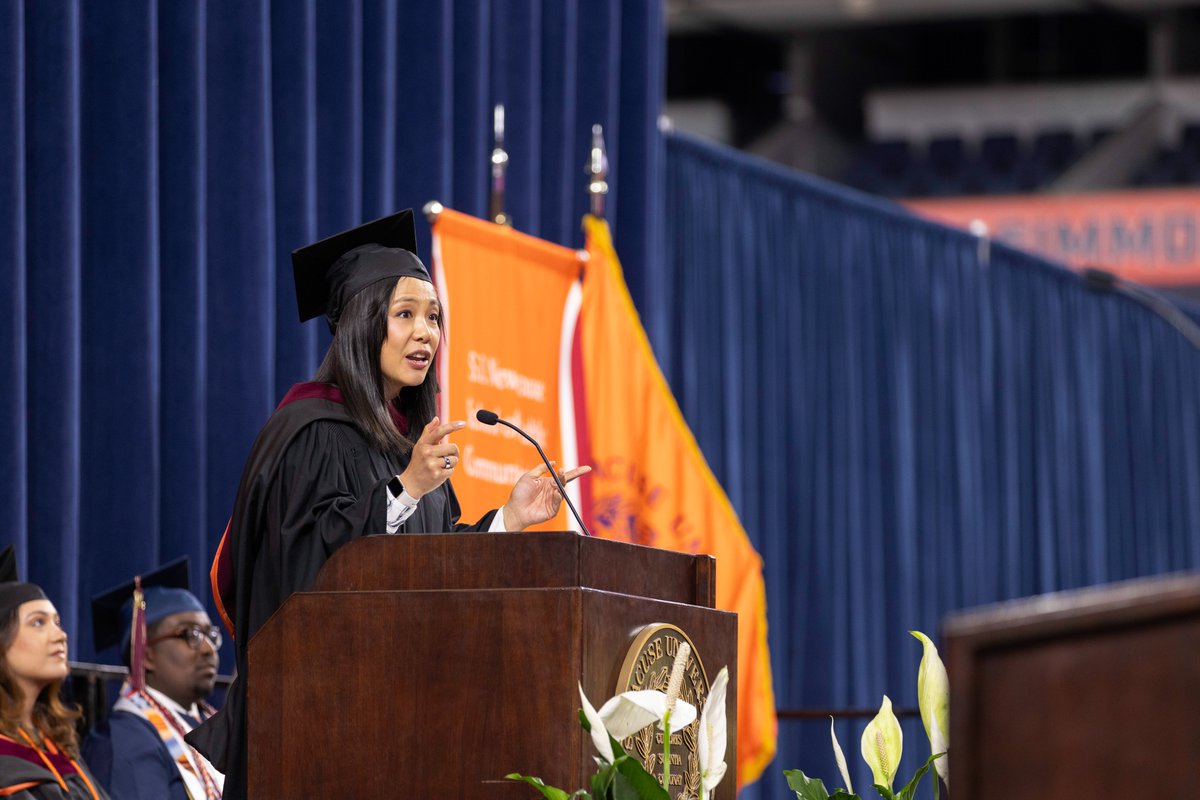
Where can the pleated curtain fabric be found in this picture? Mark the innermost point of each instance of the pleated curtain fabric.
(160, 160)
(909, 422)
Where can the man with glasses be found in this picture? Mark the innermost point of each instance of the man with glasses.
(171, 647)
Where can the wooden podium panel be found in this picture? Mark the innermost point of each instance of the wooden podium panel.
(1090, 693)
(387, 692)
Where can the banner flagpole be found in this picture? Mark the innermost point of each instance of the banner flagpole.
(499, 161)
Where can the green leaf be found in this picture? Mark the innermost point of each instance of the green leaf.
(842, 794)
(884, 792)
(910, 788)
(634, 783)
(618, 751)
(602, 780)
(622, 790)
(806, 788)
(549, 792)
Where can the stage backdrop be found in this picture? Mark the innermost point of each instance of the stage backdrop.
(162, 158)
(909, 424)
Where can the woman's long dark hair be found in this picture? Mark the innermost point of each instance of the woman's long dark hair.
(352, 364)
(50, 714)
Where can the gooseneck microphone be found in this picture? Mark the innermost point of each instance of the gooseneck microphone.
(1101, 280)
(492, 418)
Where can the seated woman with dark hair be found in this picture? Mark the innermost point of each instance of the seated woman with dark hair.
(357, 451)
(39, 750)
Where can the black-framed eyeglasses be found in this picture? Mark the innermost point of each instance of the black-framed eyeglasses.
(195, 636)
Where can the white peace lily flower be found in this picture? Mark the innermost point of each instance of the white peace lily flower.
(939, 745)
(599, 732)
(933, 697)
(882, 744)
(629, 712)
(711, 745)
(840, 757)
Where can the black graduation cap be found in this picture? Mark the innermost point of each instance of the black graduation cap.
(13, 592)
(165, 591)
(8, 565)
(335, 269)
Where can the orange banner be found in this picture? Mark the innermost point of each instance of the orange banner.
(651, 484)
(1150, 237)
(510, 306)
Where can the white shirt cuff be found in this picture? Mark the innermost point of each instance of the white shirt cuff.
(399, 509)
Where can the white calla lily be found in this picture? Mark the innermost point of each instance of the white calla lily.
(712, 735)
(629, 712)
(840, 757)
(883, 744)
(599, 731)
(933, 697)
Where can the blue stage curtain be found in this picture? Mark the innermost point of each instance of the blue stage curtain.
(909, 424)
(161, 158)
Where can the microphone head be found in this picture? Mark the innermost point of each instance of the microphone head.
(487, 417)
(1099, 279)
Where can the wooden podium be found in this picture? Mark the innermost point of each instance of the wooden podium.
(1089, 693)
(430, 666)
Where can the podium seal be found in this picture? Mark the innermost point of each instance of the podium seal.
(648, 666)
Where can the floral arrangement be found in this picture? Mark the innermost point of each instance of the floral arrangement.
(883, 741)
(620, 776)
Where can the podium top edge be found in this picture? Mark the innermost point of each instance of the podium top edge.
(541, 559)
(1078, 610)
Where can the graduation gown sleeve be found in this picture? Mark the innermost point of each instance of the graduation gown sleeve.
(320, 499)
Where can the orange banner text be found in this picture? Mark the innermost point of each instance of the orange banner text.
(510, 304)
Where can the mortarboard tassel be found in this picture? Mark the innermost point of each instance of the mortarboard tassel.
(137, 639)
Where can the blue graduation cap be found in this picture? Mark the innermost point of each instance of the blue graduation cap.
(131, 607)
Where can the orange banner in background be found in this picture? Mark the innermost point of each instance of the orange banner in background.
(510, 307)
(1151, 237)
(651, 484)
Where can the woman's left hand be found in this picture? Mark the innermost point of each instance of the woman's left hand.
(535, 498)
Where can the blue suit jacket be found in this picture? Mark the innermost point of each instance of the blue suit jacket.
(129, 758)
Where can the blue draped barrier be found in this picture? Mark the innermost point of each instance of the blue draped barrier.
(908, 424)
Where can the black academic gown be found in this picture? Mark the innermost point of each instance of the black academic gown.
(312, 483)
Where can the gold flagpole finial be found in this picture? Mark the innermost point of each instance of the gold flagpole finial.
(597, 170)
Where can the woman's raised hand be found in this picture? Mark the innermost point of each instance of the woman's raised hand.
(535, 497)
(433, 459)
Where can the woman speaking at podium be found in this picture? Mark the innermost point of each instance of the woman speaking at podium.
(357, 451)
